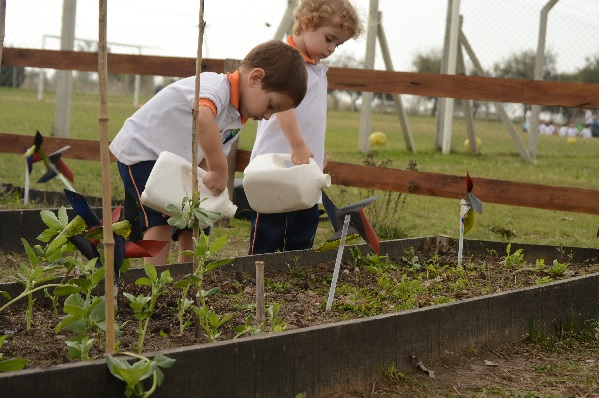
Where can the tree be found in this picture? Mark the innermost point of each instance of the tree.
(12, 76)
(520, 65)
(429, 62)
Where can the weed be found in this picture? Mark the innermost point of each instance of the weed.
(557, 269)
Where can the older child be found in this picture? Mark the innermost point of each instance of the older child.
(271, 78)
(320, 26)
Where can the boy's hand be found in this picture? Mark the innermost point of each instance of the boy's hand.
(301, 155)
(215, 182)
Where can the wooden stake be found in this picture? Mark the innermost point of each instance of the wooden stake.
(260, 296)
(107, 217)
(195, 230)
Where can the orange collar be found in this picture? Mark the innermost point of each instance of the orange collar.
(234, 79)
(305, 56)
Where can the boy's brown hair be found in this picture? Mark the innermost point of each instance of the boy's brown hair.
(284, 66)
(337, 13)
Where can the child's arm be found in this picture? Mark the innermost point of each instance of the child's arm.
(209, 140)
(300, 153)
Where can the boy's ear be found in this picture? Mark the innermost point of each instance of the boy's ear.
(256, 76)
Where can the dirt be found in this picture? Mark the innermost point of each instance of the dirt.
(417, 280)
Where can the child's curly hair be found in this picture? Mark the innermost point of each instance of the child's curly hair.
(338, 13)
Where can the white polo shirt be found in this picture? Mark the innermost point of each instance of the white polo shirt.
(164, 123)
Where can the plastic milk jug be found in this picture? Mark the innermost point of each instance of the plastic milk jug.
(274, 184)
(171, 180)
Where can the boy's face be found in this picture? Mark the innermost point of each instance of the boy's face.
(320, 43)
(257, 104)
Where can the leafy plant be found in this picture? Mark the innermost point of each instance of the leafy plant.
(135, 374)
(143, 305)
(80, 348)
(190, 214)
(514, 260)
(276, 323)
(249, 328)
(202, 251)
(10, 364)
(557, 269)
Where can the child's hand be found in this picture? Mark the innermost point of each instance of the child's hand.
(215, 182)
(301, 155)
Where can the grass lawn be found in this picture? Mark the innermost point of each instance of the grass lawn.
(397, 216)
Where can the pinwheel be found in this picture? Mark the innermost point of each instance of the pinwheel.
(468, 209)
(85, 231)
(359, 225)
(55, 166)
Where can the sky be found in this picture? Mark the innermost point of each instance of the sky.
(494, 28)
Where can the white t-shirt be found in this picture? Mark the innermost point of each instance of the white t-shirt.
(563, 131)
(310, 118)
(164, 123)
(586, 132)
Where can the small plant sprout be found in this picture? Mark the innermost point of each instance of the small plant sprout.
(557, 269)
(10, 364)
(202, 252)
(142, 305)
(514, 260)
(276, 323)
(249, 328)
(30, 278)
(135, 374)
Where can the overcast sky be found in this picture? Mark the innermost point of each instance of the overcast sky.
(495, 28)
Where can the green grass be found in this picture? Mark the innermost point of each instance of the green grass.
(557, 163)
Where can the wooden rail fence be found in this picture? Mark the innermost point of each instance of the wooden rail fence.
(521, 91)
(388, 179)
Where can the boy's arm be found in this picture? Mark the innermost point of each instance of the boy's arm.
(209, 140)
(300, 153)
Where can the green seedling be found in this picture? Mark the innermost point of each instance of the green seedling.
(557, 270)
(135, 374)
(202, 252)
(276, 323)
(10, 364)
(80, 348)
(514, 260)
(249, 328)
(142, 305)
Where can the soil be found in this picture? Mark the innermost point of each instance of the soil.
(426, 279)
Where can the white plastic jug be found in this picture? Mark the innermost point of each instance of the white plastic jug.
(274, 184)
(171, 180)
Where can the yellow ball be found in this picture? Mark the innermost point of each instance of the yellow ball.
(377, 138)
(466, 144)
(572, 140)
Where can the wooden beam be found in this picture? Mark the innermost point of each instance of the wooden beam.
(396, 180)
(521, 91)
(117, 63)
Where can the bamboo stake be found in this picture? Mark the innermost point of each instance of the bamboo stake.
(109, 242)
(195, 230)
(260, 295)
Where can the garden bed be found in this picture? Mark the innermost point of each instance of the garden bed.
(431, 307)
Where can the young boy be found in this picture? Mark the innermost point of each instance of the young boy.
(271, 78)
(319, 28)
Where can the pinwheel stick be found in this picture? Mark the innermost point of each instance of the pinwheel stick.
(462, 211)
(26, 188)
(109, 241)
(347, 220)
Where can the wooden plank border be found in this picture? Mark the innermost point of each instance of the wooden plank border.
(565, 94)
(388, 179)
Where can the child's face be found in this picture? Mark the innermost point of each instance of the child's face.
(256, 103)
(320, 43)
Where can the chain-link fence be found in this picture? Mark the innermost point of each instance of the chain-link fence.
(504, 36)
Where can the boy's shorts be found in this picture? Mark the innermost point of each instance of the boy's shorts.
(140, 216)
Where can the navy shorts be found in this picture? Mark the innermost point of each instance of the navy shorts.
(141, 217)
